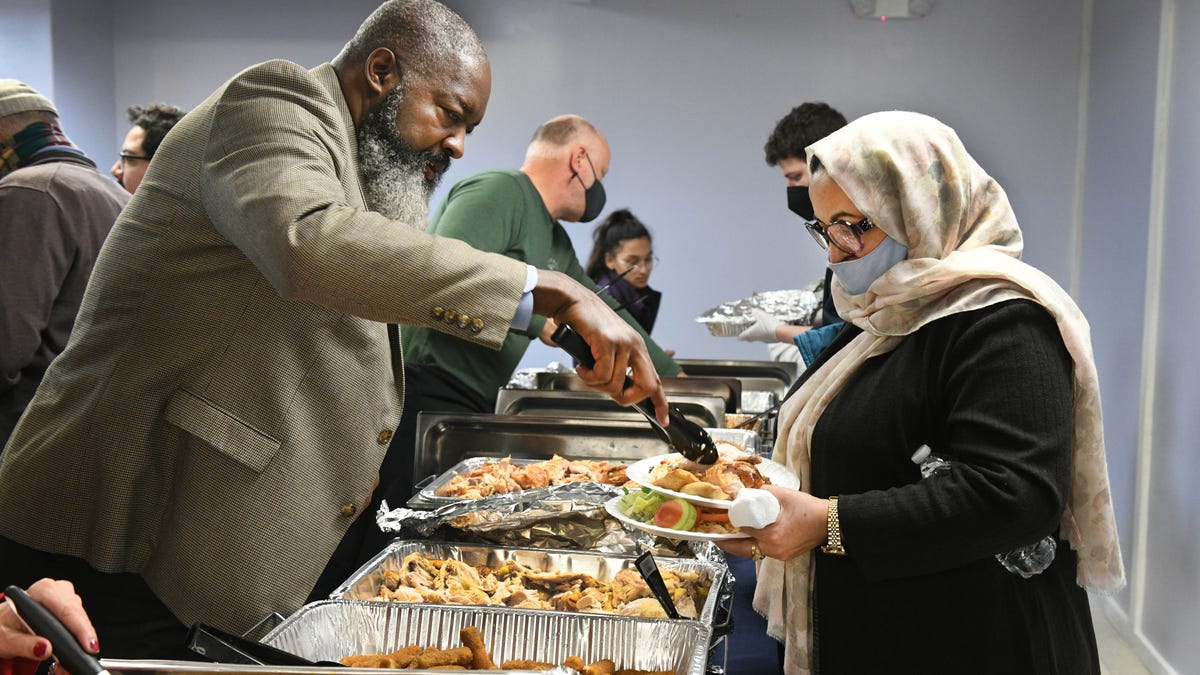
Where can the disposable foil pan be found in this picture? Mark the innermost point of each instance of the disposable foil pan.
(156, 667)
(333, 629)
(731, 318)
(427, 496)
(364, 584)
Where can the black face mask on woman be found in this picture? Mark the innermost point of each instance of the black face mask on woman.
(593, 197)
(799, 203)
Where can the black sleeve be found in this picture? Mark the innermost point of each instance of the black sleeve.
(995, 388)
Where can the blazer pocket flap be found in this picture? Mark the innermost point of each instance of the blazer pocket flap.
(222, 430)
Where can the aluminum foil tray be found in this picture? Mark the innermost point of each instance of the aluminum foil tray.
(730, 318)
(428, 497)
(157, 667)
(335, 628)
(364, 584)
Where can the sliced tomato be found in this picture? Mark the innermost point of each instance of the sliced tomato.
(713, 516)
(669, 514)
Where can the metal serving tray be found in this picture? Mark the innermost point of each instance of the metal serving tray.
(446, 440)
(728, 389)
(771, 376)
(707, 411)
(333, 629)
(363, 585)
(159, 667)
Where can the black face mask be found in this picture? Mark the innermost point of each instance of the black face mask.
(593, 197)
(799, 203)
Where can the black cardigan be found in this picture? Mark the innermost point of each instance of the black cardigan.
(920, 591)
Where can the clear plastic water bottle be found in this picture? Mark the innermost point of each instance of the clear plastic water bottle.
(930, 464)
(1025, 561)
(1030, 560)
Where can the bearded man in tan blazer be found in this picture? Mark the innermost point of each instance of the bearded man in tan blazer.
(220, 414)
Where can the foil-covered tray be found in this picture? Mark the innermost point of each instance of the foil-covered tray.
(746, 439)
(332, 629)
(364, 584)
(728, 319)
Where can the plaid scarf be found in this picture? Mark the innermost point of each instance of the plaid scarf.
(31, 141)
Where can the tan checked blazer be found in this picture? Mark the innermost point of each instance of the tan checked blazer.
(228, 393)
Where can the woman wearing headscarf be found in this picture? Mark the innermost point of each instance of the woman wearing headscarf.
(956, 345)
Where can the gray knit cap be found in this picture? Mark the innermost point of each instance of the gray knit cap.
(18, 97)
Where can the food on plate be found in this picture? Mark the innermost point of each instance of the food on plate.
(734, 470)
(422, 579)
(647, 506)
(702, 489)
(675, 514)
(503, 476)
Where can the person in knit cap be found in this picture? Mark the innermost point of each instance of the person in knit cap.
(55, 210)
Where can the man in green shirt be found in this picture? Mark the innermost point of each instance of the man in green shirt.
(515, 213)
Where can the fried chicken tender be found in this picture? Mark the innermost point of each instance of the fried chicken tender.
(526, 664)
(602, 667)
(480, 658)
(433, 657)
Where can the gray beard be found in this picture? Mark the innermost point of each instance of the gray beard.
(393, 174)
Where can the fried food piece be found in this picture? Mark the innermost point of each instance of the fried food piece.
(480, 659)
(574, 663)
(526, 664)
(447, 668)
(602, 667)
(675, 479)
(702, 489)
(432, 657)
(400, 658)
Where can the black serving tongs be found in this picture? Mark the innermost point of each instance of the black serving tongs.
(683, 435)
(648, 568)
(221, 647)
(66, 648)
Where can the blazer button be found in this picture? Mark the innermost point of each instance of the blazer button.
(463, 320)
(384, 436)
(438, 313)
(451, 316)
(476, 325)
(349, 510)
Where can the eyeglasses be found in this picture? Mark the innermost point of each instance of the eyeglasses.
(846, 236)
(126, 156)
(646, 263)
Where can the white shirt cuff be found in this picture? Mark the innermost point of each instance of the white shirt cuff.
(520, 320)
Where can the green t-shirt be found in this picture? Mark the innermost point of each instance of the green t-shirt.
(500, 211)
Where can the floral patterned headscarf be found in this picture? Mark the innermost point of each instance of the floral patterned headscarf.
(911, 175)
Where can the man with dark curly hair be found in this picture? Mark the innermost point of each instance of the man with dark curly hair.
(150, 126)
(804, 125)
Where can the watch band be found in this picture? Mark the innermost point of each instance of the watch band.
(834, 531)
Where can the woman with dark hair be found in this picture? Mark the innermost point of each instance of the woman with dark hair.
(621, 262)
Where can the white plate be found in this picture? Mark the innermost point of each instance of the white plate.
(611, 507)
(639, 472)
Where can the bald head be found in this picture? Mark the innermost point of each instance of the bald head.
(424, 35)
(560, 134)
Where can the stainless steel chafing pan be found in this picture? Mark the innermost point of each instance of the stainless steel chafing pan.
(445, 440)
(154, 667)
(706, 411)
(728, 389)
(333, 629)
(772, 376)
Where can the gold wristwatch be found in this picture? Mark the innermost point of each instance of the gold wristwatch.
(834, 544)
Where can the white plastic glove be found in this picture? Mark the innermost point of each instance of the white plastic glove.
(763, 328)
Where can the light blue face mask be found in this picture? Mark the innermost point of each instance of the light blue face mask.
(857, 275)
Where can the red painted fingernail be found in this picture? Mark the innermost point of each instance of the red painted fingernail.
(93, 645)
(39, 650)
